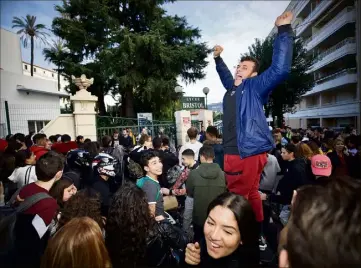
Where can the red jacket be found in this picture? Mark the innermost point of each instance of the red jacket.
(38, 150)
(3, 145)
(64, 147)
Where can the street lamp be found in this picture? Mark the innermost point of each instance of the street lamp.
(178, 90)
(206, 91)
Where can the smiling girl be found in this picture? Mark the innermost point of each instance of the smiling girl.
(231, 235)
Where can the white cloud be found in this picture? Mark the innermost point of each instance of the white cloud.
(234, 25)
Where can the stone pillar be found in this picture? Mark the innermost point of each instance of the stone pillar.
(183, 123)
(206, 116)
(84, 109)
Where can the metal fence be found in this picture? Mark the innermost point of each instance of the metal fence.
(26, 117)
(107, 125)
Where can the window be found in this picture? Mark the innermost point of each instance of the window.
(52, 75)
(44, 72)
(26, 67)
(36, 126)
(34, 70)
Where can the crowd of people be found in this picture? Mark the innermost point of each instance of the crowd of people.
(258, 197)
(122, 203)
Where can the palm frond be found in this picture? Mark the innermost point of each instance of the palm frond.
(27, 27)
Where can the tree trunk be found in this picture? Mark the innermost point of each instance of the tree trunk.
(129, 104)
(58, 79)
(101, 104)
(32, 55)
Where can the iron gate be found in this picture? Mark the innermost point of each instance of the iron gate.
(106, 125)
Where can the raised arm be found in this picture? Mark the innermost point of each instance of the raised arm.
(281, 59)
(224, 74)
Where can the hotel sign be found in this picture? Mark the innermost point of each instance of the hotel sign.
(193, 103)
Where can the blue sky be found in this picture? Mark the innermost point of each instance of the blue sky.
(232, 24)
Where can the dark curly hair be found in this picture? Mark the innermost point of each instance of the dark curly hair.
(86, 203)
(128, 225)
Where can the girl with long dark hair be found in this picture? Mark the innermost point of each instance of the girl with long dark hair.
(231, 235)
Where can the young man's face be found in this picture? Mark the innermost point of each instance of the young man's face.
(125, 133)
(155, 167)
(245, 69)
(43, 142)
(286, 155)
(187, 160)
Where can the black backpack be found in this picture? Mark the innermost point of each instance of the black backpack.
(9, 217)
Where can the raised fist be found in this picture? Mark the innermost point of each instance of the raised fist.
(284, 19)
(217, 50)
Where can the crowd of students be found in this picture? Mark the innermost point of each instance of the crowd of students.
(123, 203)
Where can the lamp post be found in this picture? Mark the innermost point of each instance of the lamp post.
(177, 90)
(206, 91)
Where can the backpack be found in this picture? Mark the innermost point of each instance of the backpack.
(27, 175)
(7, 222)
(141, 182)
(173, 174)
(135, 170)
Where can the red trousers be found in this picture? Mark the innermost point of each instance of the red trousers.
(243, 176)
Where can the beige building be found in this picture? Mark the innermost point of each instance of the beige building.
(331, 30)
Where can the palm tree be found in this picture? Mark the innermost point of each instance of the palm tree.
(56, 54)
(28, 29)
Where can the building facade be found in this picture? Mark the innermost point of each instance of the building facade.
(216, 107)
(331, 32)
(31, 101)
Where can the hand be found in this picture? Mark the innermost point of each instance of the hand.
(159, 218)
(19, 199)
(217, 50)
(193, 254)
(263, 197)
(73, 190)
(165, 191)
(284, 19)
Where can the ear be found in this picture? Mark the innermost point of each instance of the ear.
(58, 175)
(293, 197)
(283, 259)
(146, 169)
(254, 74)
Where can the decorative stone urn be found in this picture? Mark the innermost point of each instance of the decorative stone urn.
(84, 108)
(82, 82)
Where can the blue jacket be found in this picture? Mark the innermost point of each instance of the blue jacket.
(253, 135)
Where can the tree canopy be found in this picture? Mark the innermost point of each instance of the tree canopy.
(286, 95)
(132, 48)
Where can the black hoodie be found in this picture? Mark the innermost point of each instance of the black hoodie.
(295, 176)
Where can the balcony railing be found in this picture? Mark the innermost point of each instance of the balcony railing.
(329, 24)
(335, 75)
(350, 40)
(299, 6)
(307, 21)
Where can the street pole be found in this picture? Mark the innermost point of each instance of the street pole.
(205, 92)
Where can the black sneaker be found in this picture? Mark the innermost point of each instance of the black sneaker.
(262, 243)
